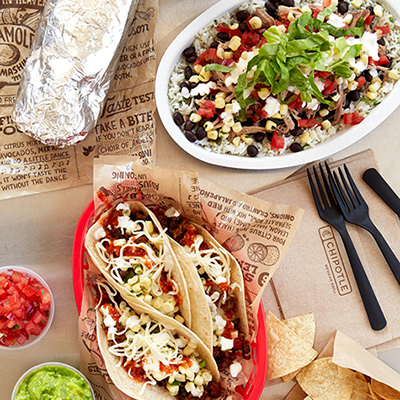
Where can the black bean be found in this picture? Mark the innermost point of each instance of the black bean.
(296, 132)
(295, 147)
(274, 1)
(354, 95)
(192, 85)
(242, 15)
(178, 118)
(190, 51)
(188, 72)
(347, 102)
(201, 133)
(190, 136)
(191, 59)
(214, 45)
(341, 1)
(381, 41)
(252, 151)
(367, 75)
(184, 84)
(271, 7)
(287, 3)
(243, 27)
(269, 135)
(189, 125)
(247, 123)
(259, 137)
(343, 8)
(371, 10)
(224, 36)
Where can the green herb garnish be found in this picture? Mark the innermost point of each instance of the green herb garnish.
(218, 68)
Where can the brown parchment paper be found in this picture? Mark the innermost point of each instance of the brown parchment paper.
(126, 125)
(257, 232)
(316, 275)
(346, 353)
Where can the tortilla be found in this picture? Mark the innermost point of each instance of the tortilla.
(201, 314)
(171, 264)
(287, 352)
(121, 378)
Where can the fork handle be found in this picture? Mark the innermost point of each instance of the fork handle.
(387, 252)
(374, 312)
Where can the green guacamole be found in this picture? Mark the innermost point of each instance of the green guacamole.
(53, 383)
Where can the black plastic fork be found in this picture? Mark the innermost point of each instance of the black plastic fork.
(330, 212)
(355, 211)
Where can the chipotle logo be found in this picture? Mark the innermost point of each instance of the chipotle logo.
(336, 265)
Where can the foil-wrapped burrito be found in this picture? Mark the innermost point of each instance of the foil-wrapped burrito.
(74, 57)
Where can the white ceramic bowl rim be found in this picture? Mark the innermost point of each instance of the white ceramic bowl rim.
(334, 144)
(32, 339)
(57, 364)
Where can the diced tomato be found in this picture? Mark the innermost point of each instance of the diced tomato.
(352, 119)
(326, 4)
(385, 29)
(277, 141)
(29, 291)
(208, 110)
(208, 57)
(316, 12)
(361, 82)
(330, 87)
(263, 114)
(383, 60)
(284, 23)
(250, 39)
(24, 307)
(296, 104)
(228, 62)
(254, 94)
(308, 123)
(323, 74)
(15, 276)
(369, 20)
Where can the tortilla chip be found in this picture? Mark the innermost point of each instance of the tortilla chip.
(361, 376)
(304, 327)
(360, 389)
(287, 352)
(324, 380)
(384, 391)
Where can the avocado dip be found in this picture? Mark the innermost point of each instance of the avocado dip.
(53, 382)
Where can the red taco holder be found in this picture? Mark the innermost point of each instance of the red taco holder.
(255, 385)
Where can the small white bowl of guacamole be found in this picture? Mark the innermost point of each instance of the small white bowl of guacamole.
(52, 380)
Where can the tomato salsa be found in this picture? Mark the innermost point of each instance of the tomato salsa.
(24, 307)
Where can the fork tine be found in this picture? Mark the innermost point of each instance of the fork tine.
(348, 190)
(321, 191)
(357, 193)
(327, 186)
(341, 198)
(314, 192)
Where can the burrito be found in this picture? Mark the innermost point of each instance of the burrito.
(136, 258)
(221, 297)
(152, 356)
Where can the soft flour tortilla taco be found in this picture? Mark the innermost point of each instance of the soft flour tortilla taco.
(150, 356)
(221, 298)
(135, 257)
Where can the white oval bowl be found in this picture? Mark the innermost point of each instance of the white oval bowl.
(340, 141)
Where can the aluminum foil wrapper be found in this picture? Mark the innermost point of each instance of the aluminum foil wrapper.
(73, 60)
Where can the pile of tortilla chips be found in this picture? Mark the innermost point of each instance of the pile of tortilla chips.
(324, 380)
(290, 345)
(291, 354)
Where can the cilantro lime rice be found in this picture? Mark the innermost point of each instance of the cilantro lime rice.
(282, 76)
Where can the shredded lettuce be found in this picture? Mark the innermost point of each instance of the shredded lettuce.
(281, 62)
